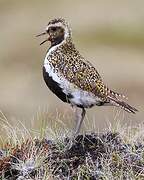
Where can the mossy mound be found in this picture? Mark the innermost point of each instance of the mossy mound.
(91, 156)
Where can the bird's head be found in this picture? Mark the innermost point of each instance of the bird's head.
(57, 30)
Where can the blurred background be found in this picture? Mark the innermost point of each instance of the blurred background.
(110, 34)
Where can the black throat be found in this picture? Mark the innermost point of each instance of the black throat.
(57, 40)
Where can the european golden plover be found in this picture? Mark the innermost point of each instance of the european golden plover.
(71, 77)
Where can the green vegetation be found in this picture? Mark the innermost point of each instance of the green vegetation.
(124, 36)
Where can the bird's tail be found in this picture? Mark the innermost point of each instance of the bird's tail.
(115, 99)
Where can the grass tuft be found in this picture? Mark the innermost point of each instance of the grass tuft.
(109, 155)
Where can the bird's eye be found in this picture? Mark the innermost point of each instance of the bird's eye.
(53, 28)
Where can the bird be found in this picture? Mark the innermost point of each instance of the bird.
(71, 77)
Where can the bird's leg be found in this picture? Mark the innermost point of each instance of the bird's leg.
(79, 116)
(79, 120)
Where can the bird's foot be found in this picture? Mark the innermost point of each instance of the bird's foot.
(71, 141)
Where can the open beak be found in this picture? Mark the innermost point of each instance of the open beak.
(41, 34)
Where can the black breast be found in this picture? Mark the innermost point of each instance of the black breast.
(54, 87)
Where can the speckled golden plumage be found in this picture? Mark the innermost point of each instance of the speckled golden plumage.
(70, 76)
(68, 61)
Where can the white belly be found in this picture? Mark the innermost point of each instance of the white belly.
(78, 96)
(84, 99)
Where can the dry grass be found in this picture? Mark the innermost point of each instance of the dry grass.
(118, 153)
